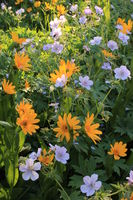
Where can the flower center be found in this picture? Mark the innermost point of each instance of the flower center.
(24, 123)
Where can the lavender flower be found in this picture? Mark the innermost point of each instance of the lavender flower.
(99, 10)
(130, 178)
(85, 82)
(119, 26)
(54, 24)
(20, 11)
(46, 47)
(122, 73)
(55, 105)
(73, 8)
(112, 45)
(56, 33)
(62, 19)
(3, 6)
(90, 185)
(61, 155)
(86, 48)
(87, 11)
(57, 48)
(96, 41)
(30, 169)
(124, 38)
(61, 82)
(106, 66)
(82, 20)
(34, 156)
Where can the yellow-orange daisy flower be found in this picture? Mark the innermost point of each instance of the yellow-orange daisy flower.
(22, 61)
(18, 2)
(29, 9)
(68, 69)
(8, 87)
(131, 197)
(27, 85)
(120, 21)
(27, 121)
(16, 39)
(54, 1)
(66, 125)
(118, 150)
(127, 27)
(48, 6)
(61, 10)
(23, 107)
(107, 54)
(37, 4)
(46, 158)
(91, 129)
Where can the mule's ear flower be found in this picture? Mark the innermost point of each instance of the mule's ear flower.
(118, 150)
(16, 39)
(37, 4)
(91, 129)
(22, 61)
(61, 10)
(8, 87)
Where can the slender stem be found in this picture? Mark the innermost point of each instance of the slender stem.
(68, 198)
(103, 102)
(112, 194)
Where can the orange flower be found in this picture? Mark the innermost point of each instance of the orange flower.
(16, 39)
(22, 61)
(118, 150)
(8, 88)
(46, 158)
(18, 2)
(27, 118)
(91, 130)
(54, 1)
(131, 197)
(27, 85)
(120, 21)
(107, 54)
(127, 27)
(48, 6)
(65, 68)
(61, 10)
(37, 4)
(23, 107)
(65, 126)
(29, 9)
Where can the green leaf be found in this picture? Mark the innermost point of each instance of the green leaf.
(76, 181)
(3, 123)
(12, 172)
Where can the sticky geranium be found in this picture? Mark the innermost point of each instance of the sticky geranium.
(91, 185)
(61, 154)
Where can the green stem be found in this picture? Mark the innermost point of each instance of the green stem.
(103, 102)
(114, 193)
(68, 198)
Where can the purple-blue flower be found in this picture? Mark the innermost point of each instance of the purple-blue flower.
(130, 178)
(57, 48)
(112, 45)
(61, 154)
(106, 66)
(82, 20)
(122, 73)
(29, 170)
(46, 47)
(61, 82)
(34, 156)
(124, 38)
(87, 11)
(99, 10)
(96, 40)
(90, 185)
(85, 82)
(73, 8)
